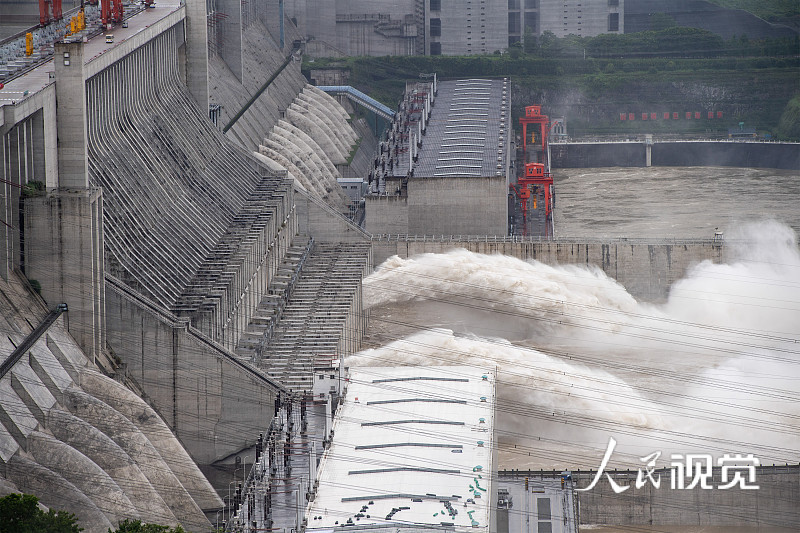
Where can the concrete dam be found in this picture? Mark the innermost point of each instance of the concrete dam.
(177, 189)
(177, 248)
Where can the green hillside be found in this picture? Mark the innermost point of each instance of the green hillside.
(750, 82)
(772, 10)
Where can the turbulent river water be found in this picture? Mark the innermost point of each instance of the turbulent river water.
(671, 201)
(715, 369)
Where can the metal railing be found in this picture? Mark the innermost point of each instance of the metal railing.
(513, 239)
(360, 98)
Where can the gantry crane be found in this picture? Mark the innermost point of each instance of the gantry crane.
(535, 173)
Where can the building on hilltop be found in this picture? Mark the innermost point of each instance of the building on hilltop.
(455, 27)
(444, 27)
(584, 18)
(404, 27)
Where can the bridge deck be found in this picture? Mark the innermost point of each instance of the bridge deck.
(40, 77)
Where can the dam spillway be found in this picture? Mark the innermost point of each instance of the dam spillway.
(55, 422)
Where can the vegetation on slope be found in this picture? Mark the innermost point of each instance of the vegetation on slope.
(675, 70)
(772, 10)
(20, 513)
(789, 125)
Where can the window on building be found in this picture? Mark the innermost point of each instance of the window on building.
(436, 5)
(513, 23)
(513, 39)
(613, 22)
(513, 4)
(532, 21)
(436, 27)
(613, 3)
(531, 4)
(436, 49)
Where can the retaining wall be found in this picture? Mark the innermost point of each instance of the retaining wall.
(215, 404)
(682, 154)
(772, 505)
(647, 270)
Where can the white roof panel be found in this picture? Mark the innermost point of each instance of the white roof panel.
(411, 446)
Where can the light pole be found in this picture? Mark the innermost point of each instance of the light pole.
(229, 495)
(245, 473)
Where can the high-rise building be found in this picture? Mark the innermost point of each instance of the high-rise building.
(584, 18)
(444, 27)
(458, 27)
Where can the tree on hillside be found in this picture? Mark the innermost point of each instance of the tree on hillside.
(789, 125)
(661, 21)
(136, 526)
(20, 513)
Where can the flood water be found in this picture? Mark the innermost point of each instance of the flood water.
(672, 202)
(734, 387)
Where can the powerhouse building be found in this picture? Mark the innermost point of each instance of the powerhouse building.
(445, 167)
(413, 449)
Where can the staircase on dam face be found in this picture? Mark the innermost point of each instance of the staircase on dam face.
(269, 311)
(322, 320)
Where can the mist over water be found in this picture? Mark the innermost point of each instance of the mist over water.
(715, 369)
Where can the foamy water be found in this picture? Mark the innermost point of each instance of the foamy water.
(716, 369)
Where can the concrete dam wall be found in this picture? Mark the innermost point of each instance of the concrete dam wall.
(296, 126)
(771, 507)
(59, 416)
(169, 241)
(193, 231)
(681, 153)
(646, 270)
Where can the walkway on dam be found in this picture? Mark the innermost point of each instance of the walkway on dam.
(30, 83)
(360, 98)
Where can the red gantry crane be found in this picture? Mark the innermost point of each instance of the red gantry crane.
(49, 11)
(535, 173)
(110, 12)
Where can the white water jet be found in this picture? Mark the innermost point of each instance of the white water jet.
(714, 370)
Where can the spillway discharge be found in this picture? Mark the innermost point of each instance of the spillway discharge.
(714, 369)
